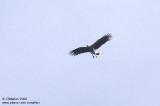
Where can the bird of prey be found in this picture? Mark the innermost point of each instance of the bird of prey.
(92, 48)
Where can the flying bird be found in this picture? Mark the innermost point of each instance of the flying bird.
(92, 48)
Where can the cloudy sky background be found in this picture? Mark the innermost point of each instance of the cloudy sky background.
(37, 35)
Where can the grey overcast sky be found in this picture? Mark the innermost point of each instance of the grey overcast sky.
(37, 35)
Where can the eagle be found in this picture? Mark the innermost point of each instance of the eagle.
(92, 48)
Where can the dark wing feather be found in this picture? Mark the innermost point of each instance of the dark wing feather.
(101, 41)
(79, 51)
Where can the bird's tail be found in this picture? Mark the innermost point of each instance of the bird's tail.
(97, 53)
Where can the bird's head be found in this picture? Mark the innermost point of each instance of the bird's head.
(88, 45)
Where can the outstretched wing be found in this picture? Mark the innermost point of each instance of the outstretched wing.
(79, 51)
(101, 41)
